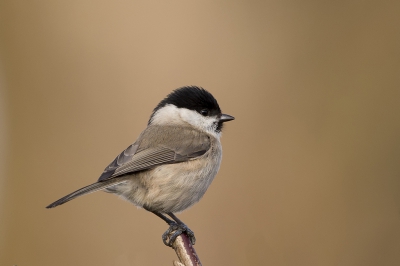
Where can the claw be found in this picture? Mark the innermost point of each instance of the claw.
(191, 236)
(177, 230)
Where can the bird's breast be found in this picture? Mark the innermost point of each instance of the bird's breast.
(173, 187)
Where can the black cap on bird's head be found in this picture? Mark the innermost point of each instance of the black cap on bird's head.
(192, 98)
(196, 99)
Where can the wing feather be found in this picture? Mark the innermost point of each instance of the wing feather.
(176, 145)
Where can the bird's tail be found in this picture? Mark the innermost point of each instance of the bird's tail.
(89, 189)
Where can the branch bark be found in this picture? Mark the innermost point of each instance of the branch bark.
(185, 251)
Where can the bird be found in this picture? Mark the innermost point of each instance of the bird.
(173, 161)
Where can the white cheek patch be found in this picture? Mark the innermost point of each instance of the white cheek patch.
(204, 123)
(170, 114)
(166, 115)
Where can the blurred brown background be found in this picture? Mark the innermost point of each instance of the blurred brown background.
(311, 172)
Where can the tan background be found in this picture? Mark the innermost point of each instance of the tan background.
(311, 168)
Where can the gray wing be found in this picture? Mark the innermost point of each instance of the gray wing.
(121, 159)
(150, 150)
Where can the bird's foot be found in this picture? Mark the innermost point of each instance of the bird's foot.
(174, 230)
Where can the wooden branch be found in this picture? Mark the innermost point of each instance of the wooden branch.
(185, 252)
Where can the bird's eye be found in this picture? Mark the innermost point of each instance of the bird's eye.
(204, 112)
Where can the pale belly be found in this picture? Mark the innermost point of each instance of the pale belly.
(169, 188)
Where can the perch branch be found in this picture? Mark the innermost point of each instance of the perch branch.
(185, 252)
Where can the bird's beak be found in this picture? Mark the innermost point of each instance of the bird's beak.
(225, 118)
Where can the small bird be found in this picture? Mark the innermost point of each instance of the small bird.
(173, 161)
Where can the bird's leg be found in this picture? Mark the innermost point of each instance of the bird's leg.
(173, 226)
(177, 226)
(168, 221)
(180, 228)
